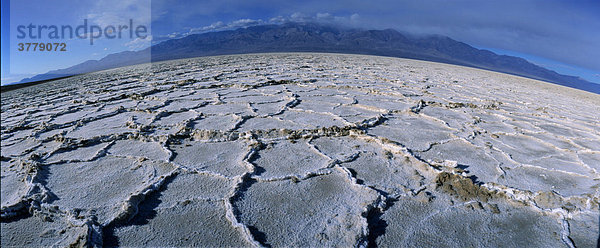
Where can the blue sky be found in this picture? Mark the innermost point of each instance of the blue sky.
(18, 64)
(559, 35)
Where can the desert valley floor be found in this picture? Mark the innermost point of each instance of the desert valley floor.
(300, 150)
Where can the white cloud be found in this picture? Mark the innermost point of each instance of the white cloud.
(219, 26)
(298, 17)
(173, 35)
(139, 43)
(324, 16)
(244, 23)
(277, 20)
(215, 26)
(295, 17)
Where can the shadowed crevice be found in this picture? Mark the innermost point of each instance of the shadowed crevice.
(259, 236)
(146, 211)
(377, 226)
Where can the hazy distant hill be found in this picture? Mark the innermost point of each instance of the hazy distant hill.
(296, 37)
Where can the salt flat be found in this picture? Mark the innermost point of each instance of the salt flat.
(300, 150)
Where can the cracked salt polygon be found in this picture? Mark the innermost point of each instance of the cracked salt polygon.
(413, 132)
(580, 231)
(312, 120)
(139, 149)
(14, 186)
(102, 127)
(216, 122)
(20, 147)
(268, 109)
(219, 157)
(319, 211)
(190, 186)
(288, 158)
(590, 159)
(176, 118)
(103, 184)
(315, 106)
(538, 179)
(77, 154)
(469, 157)
(211, 173)
(230, 108)
(71, 117)
(39, 231)
(467, 226)
(267, 123)
(193, 223)
(374, 166)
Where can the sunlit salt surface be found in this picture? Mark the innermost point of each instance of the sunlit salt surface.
(300, 150)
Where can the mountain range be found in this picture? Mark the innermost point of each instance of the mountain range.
(313, 37)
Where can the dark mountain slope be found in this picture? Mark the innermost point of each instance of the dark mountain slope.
(310, 37)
